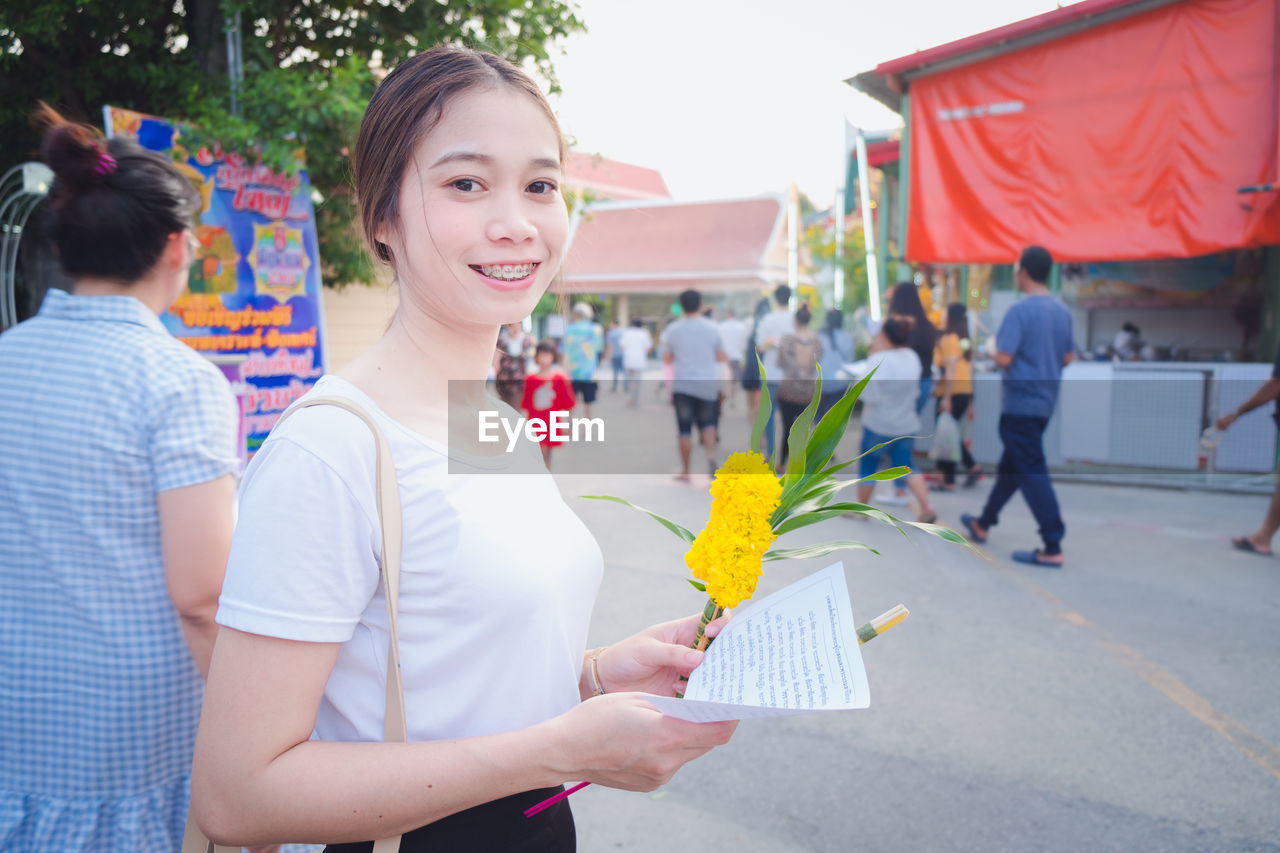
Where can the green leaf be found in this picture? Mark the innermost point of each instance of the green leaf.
(762, 413)
(940, 531)
(886, 474)
(798, 439)
(698, 585)
(804, 519)
(818, 550)
(677, 529)
(809, 492)
(826, 436)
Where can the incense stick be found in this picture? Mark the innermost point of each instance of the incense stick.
(866, 633)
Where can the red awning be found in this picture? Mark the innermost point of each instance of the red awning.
(1123, 141)
(662, 247)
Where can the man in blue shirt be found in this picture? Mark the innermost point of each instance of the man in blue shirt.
(1033, 344)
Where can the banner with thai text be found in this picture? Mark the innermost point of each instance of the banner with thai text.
(253, 303)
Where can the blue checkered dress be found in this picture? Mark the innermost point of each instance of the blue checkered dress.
(100, 409)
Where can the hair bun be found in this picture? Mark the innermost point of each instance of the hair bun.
(73, 151)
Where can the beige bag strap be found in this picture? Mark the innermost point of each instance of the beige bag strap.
(394, 725)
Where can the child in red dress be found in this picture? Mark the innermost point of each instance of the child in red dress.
(545, 392)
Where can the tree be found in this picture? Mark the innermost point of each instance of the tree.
(309, 69)
(819, 239)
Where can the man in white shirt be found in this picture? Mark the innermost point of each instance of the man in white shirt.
(770, 332)
(733, 334)
(635, 344)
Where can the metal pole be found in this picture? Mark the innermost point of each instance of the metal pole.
(793, 251)
(868, 228)
(235, 63)
(838, 282)
(838, 286)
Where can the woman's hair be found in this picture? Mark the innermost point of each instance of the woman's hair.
(958, 324)
(637, 323)
(407, 105)
(762, 307)
(545, 346)
(835, 321)
(897, 329)
(113, 204)
(803, 316)
(905, 302)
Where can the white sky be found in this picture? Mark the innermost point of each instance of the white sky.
(731, 98)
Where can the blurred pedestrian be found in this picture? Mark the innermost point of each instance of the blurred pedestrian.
(636, 344)
(769, 334)
(953, 358)
(837, 351)
(613, 352)
(751, 381)
(512, 363)
(1033, 345)
(798, 357)
(733, 334)
(116, 500)
(458, 169)
(905, 301)
(1259, 541)
(889, 415)
(583, 348)
(547, 391)
(691, 345)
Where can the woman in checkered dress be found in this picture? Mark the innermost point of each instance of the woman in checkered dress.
(116, 487)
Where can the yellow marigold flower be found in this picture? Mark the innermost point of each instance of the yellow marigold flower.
(726, 555)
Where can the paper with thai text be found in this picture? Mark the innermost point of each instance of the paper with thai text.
(793, 652)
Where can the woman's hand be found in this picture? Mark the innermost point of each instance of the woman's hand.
(653, 660)
(944, 403)
(622, 741)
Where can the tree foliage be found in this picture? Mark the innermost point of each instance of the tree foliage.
(309, 69)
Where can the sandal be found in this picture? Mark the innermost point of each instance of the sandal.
(1036, 558)
(967, 520)
(1242, 543)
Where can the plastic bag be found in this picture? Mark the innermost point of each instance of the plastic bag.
(946, 440)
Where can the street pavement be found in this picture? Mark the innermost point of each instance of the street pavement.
(1130, 701)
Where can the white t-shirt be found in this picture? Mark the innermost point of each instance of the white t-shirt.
(635, 345)
(733, 332)
(889, 400)
(774, 325)
(497, 582)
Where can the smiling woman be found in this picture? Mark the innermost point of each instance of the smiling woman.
(458, 172)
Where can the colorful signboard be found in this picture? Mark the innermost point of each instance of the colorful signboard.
(253, 303)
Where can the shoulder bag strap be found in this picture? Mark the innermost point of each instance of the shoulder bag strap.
(394, 726)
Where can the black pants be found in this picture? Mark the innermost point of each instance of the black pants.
(959, 405)
(790, 413)
(496, 827)
(1023, 468)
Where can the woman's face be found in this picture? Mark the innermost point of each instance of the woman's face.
(482, 225)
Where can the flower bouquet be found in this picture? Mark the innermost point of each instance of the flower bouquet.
(751, 506)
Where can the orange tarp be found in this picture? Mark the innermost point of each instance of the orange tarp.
(1124, 141)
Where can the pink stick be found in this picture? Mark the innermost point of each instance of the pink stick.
(551, 801)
